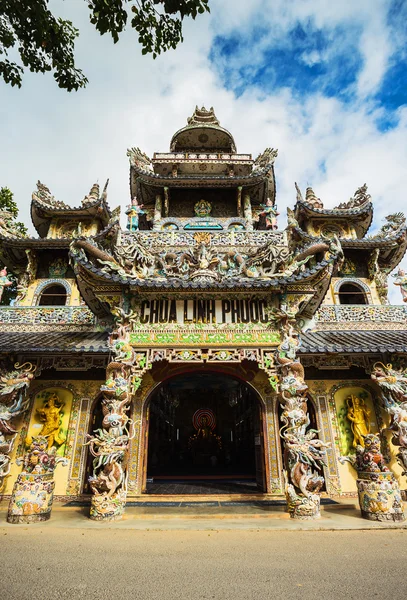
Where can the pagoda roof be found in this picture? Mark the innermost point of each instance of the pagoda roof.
(203, 132)
(44, 208)
(391, 241)
(358, 211)
(144, 182)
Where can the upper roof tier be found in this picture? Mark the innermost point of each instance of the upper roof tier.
(202, 155)
(356, 214)
(45, 208)
(203, 133)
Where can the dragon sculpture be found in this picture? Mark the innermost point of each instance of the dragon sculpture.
(393, 386)
(395, 223)
(13, 403)
(359, 198)
(133, 260)
(109, 445)
(378, 490)
(303, 452)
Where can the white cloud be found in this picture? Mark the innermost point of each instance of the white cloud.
(70, 140)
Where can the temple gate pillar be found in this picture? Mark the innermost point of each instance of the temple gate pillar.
(304, 453)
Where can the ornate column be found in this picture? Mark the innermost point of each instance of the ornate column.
(239, 201)
(303, 451)
(13, 402)
(166, 201)
(157, 212)
(247, 209)
(393, 387)
(110, 445)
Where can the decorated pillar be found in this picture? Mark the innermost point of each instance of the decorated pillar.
(239, 201)
(166, 202)
(13, 403)
(110, 445)
(303, 452)
(157, 212)
(393, 387)
(33, 492)
(247, 211)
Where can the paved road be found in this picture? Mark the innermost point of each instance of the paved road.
(72, 564)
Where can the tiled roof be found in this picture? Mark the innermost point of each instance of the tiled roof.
(66, 341)
(353, 341)
(312, 342)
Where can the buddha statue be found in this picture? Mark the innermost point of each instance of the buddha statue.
(358, 414)
(205, 440)
(50, 415)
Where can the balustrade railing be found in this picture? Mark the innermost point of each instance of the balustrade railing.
(359, 313)
(155, 239)
(46, 315)
(181, 156)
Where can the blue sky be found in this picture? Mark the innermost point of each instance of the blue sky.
(323, 81)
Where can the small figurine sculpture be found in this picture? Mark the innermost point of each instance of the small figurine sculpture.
(33, 492)
(202, 208)
(401, 280)
(378, 490)
(50, 415)
(204, 440)
(270, 213)
(133, 213)
(358, 414)
(4, 281)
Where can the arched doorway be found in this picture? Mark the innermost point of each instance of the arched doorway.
(205, 435)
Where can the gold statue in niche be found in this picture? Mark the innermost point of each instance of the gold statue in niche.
(50, 415)
(358, 414)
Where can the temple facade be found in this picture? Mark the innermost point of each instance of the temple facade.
(202, 347)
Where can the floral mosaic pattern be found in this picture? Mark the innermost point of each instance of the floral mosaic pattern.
(46, 315)
(369, 312)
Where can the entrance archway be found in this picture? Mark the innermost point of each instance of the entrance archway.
(205, 435)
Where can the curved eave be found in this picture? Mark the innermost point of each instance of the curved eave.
(310, 308)
(361, 215)
(42, 213)
(87, 291)
(149, 177)
(173, 283)
(142, 177)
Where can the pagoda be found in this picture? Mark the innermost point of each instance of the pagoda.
(202, 341)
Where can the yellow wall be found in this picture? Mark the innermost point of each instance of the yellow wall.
(346, 473)
(72, 394)
(61, 228)
(75, 299)
(336, 391)
(332, 298)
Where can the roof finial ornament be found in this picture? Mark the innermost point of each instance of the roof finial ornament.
(202, 115)
(299, 194)
(359, 198)
(93, 194)
(311, 198)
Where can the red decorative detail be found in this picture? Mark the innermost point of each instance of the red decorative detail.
(204, 412)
